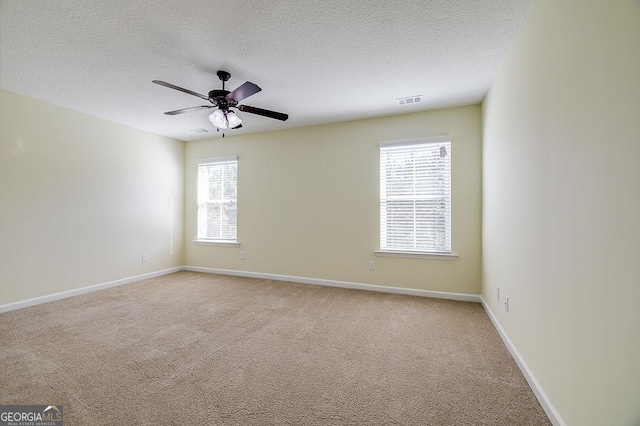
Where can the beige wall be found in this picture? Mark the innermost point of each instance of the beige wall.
(81, 199)
(308, 202)
(561, 205)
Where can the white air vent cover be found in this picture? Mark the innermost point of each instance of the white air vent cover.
(200, 130)
(410, 100)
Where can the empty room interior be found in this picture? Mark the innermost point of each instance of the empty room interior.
(339, 212)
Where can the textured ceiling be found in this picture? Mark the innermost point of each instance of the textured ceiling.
(319, 61)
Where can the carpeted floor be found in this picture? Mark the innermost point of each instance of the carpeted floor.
(201, 349)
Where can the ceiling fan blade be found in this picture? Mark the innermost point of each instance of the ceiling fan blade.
(244, 91)
(172, 86)
(183, 110)
(263, 112)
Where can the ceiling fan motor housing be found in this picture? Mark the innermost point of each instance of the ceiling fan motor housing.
(219, 97)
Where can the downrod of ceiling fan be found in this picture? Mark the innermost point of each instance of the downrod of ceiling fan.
(223, 76)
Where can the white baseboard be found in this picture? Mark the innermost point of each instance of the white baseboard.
(464, 297)
(543, 399)
(64, 294)
(316, 281)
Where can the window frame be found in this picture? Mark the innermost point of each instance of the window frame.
(389, 252)
(206, 241)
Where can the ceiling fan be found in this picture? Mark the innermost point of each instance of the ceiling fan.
(223, 117)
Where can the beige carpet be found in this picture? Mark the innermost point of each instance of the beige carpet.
(201, 349)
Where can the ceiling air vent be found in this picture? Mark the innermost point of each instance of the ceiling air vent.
(410, 100)
(200, 130)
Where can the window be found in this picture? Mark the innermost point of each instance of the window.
(218, 200)
(415, 195)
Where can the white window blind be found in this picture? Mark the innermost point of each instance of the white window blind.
(218, 199)
(415, 195)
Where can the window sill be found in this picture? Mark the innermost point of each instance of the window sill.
(416, 254)
(216, 243)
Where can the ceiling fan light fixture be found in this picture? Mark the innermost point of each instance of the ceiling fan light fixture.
(217, 119)
(233, 120)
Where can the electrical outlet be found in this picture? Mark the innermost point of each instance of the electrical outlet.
(498, 291)
(145, 257)
(506, 303)
(241, 255)
(372, 265)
